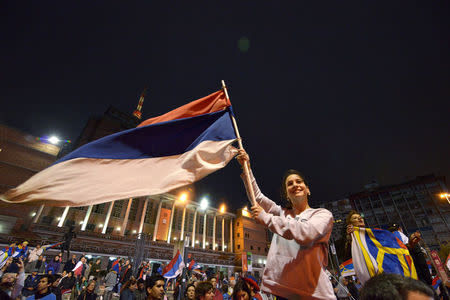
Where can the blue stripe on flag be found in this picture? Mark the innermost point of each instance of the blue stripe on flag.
(159, 140)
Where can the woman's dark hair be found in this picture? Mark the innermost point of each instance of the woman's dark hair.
(188, 286)
(283, 193)
(349, 216)
(128, 284)
(202, 289)
(241, 285)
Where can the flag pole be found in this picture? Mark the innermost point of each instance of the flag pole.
(241, 147)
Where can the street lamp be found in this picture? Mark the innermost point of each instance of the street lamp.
(222, 209)
(53, 139)
(204, 203)
(446, 196)
(183, 197)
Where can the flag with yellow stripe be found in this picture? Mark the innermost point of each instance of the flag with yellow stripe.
(376, 251)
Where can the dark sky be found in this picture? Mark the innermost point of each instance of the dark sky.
(346, 92)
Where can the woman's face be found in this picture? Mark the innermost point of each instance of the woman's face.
(242, 295)
(133, 287)
(357, 220)
(91, 287)
(296, 189)
(209, 295)
(190, 293)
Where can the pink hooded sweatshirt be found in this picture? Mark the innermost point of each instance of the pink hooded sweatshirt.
(298, 254)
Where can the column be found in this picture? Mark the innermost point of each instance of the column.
(108, 215)
(86, 218)
(125, 220)
(158, 214)
(223, 233)
(214, 232)
(171, 221)
(231, 235)
(144, 210)
(193, 228)
(204, 231)
(63, 216)
(182, 223)
(38, 213)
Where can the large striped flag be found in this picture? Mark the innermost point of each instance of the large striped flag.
(376, 251)
(5, 253)
(161, 154)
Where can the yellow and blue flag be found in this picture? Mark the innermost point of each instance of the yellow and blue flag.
(376, 251)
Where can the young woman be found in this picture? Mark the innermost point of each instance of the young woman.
(298, 253)
(241, 291)
(88, 293)
(204, 291)
(190, 292)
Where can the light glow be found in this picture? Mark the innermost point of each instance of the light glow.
(54, 140)
(204, 203)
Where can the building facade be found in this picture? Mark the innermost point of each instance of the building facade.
(415, 205)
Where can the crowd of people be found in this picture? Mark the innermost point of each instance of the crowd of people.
(296, 268)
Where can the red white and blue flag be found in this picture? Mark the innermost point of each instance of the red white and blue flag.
(347, 268)
(174, 268)
(49, 246)
(161, 154)
(116, 265)
(193, 265)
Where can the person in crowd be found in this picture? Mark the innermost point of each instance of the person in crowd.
(204, 291)
(155, 287)
(55, 288)
(217, 293)
(394, 286)
(12, 283)
(354, 292)
(419, 258)
(231, 286)
(126, 272)
(127, 290)
(341, 289)
(89, 292)
(53, 266)
(66, 285)
(353, 219)
(190, 292)
(298, 253)
(81, 285)
(225, 294)
(43, 291)
(242, 291)
(30, 285)
(253, 286)
(96, 268)
(33, 256)
(110, 282)
(140, 291)
(70, 264)
(41, 264)
(87, 272)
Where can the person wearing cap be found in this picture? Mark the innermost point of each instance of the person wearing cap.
(253, 286)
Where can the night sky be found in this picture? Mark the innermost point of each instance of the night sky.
(345, 92)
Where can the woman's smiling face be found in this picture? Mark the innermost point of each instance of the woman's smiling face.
(296, 188)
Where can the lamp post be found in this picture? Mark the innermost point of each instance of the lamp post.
(446, 196)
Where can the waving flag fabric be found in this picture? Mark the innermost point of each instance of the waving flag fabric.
(161, 154)
(376, 251)
(193, 265)
(49, 246)
(347, 268)
(174, 268)
(5, 253)
(116, 265)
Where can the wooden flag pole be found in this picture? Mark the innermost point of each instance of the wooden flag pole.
(245, 166)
